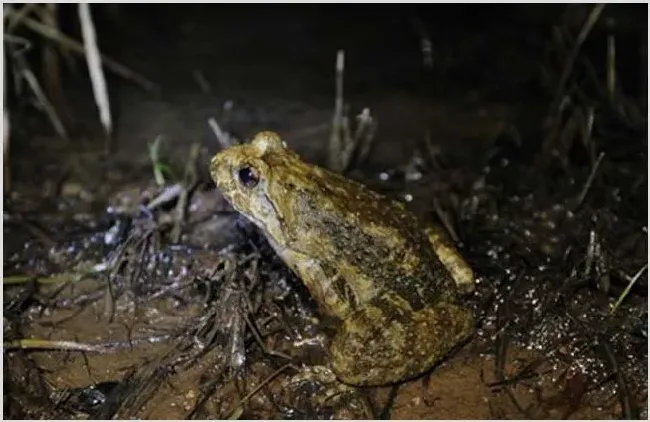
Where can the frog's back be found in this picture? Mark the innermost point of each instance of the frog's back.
(371, 244)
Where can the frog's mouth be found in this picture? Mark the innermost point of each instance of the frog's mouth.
(263, 212)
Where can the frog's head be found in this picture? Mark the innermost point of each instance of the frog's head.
(245, 176)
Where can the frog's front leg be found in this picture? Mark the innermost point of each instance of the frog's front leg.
(382, 343)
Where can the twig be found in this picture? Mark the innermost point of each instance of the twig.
(131, 342)
(93, 59)
(53, 345)
(629, 286)
(238, 408)
(589, 181)
(168, 194)
(77, 47)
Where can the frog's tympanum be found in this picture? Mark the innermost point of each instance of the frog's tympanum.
(365, 259)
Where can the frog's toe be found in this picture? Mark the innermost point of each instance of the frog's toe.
(316, 390)
(354, 366)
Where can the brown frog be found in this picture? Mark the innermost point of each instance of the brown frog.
(365, 258)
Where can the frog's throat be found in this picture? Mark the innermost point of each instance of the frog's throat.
(272, 224)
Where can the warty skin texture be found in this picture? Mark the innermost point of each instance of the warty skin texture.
(365, 259)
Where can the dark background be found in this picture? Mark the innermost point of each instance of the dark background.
(276, 63)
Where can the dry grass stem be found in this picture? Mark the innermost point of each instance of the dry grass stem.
(426, 46)
(570, 62)
(13, 19)
(364, 135)
(97, 78)
(631, 284)
(611, 66)
(77, 47)
(190, 179)
(446, 221)
(16, 47)
(589, 181)
(344, 148)
(42, 98)
(6, 172)
(587, 130)
(170, 193)
(336, 143)
(224, 138)
(93, 59)
(53, 345)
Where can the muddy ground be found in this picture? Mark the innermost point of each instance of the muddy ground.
(509, 137)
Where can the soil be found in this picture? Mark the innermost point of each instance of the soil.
(213, 325)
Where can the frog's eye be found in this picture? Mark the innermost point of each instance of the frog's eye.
(248, 176)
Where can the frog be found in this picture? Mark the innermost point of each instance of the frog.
(391, 281)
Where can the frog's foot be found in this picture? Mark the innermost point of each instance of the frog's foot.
(322, 377)
(458, 268)
(325, 392)
(379, 345)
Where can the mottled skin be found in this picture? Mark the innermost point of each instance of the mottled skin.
(363, 257)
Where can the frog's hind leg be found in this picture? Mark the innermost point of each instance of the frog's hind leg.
(379, 347)
(458, 268)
